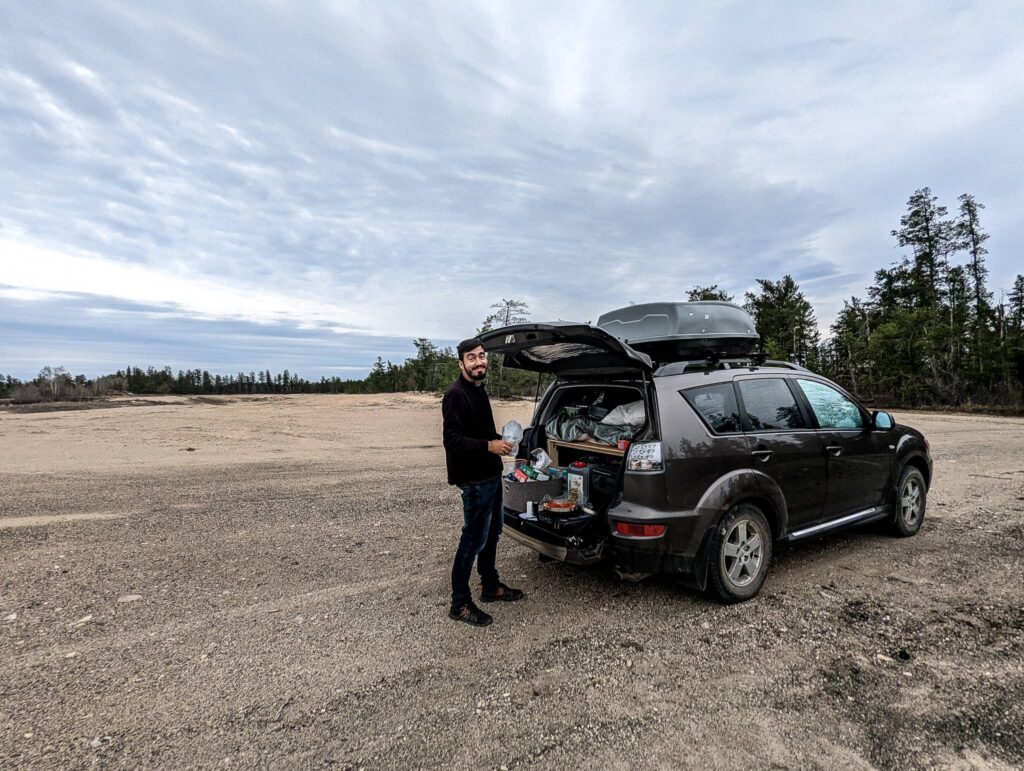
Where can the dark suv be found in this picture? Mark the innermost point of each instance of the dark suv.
(733, 456)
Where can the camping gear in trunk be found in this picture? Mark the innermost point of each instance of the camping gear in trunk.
(577, 476)
(516, 494)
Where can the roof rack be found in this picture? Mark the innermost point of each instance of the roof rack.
(786, 364)
(708, 364)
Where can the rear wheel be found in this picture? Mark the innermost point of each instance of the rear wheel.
(911, 500)
(739, 554)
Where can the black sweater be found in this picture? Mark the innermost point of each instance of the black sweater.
(468, 427)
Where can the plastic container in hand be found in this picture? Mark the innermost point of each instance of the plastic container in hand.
(512, 432)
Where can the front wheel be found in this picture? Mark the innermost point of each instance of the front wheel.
(739, 554)
(911, 499)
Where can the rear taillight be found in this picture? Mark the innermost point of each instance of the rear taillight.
(644, 456)
(639, 530)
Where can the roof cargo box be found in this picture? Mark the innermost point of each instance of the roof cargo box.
(677, 331)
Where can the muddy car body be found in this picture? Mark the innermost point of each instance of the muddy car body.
(735, 455)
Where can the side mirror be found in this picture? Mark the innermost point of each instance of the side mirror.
(883, 420)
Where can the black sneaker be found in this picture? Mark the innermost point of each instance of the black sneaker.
(502, 593)
(470, 614)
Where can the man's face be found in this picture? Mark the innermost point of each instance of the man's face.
(474, 363)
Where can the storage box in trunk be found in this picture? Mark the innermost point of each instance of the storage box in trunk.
(516, 494)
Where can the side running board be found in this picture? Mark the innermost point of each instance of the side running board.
(859, 518)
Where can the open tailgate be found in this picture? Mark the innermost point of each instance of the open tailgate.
(564, 348)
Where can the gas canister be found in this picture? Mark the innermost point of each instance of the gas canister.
(577, 477)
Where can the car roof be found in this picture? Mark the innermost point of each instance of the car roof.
(725, 370)
(697, 378)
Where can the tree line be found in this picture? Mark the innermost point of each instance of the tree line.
(928, 332)
(431, 369)
(56, 383)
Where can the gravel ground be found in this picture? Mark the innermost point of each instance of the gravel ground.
(263, 583)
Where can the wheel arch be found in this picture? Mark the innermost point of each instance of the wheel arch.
(921, 465)
(771, 513)
(732, 489)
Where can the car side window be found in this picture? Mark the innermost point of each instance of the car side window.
(716, 404)
(831, 408)
(770, 405)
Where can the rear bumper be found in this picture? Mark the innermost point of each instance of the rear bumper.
(584, 548)
(677, 552)
(629, 560)
(541, 547)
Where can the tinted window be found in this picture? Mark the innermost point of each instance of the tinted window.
(831, 408)
(770, 405)
(717, 405)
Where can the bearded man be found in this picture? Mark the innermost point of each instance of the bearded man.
(473, 450)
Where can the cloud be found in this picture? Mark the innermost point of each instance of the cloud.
(391, 170)
(98, 335)
(34, 271)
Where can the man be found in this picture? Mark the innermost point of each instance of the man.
(473, 450)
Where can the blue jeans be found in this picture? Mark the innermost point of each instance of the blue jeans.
(482, 515)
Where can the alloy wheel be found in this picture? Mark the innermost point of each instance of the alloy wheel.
(910, 502)
(742, 552)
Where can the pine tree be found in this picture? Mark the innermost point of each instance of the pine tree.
(784, 319)
(849, 363)
(971, 237)
(504, 313)
(376, 381)
(931, 238)
(958, 310)
(708, 293)
(1015, 304)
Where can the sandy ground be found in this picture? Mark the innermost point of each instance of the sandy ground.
(263, 583)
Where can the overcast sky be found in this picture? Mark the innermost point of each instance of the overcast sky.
(307, 185)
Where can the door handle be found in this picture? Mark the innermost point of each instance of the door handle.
(834, 449)
(761, 455)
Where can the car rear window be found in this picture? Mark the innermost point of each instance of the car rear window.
(716, 404)
(770, 405)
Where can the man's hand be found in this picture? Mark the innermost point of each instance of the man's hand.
(499, 447)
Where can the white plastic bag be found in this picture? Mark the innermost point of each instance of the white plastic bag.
(632, 414)
(512, 432)
(541, 460)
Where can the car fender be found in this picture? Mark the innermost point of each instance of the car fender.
(908, 445)
(907, 450)
(726, 492)
(743, 484)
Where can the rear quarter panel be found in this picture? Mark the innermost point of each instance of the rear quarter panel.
(695, 459)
